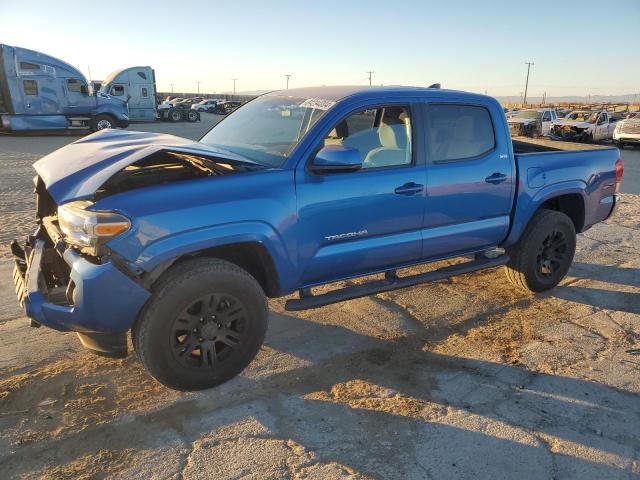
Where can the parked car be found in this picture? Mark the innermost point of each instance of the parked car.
(205, 105)
(584, 126)
(627, 131)
(225, 108)
(532, 122)
(181, 242)
(40, 92)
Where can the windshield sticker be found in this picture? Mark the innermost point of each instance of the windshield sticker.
(318, 103)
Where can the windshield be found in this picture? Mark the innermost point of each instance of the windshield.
(267, 129)
(528, 114)
(589, 117)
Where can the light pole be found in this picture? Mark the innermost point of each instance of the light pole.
(526, 85)
(234, 85)
(198, 83)
(288, 75)
(370, 72)
(171, 87)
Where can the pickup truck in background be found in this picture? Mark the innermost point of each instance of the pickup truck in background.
(627, 131)
(584, 126)
(40, 92)
(531, 122)
(180, 242)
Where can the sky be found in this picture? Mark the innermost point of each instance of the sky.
(578, 47)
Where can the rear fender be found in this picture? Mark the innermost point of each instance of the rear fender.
(528, 203)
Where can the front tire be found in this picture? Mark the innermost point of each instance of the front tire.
(542, 257)
(193, 116)
(204, 323)
(102, 121)
(175, 115)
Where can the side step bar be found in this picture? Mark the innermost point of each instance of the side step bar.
(390, 282)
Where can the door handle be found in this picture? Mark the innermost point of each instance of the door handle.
(496, 178)
(409, 188)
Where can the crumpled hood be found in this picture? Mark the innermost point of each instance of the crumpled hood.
(573, 123)
(77, 170)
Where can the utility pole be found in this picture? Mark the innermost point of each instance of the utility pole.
(198, 83)
(234, 85)
(171, 87)
(526, 85)
(370, 73)
(288, 75)
(544, 98)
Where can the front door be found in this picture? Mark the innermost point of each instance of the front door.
(79, 101)
(470, 179)
(368, 220)
(602, 127)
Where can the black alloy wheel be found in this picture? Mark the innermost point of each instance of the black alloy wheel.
(208, 330)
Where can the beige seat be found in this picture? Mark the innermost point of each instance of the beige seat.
(394, 150)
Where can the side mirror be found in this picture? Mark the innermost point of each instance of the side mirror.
(336, 159)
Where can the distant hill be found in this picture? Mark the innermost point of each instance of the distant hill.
(631, 97)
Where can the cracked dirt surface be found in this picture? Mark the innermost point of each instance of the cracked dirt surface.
(463, 379)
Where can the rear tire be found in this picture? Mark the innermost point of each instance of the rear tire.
(542, 257)
(204, 323)
(193, 116)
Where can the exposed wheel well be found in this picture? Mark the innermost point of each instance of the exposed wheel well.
(250, 256)
(571, 205)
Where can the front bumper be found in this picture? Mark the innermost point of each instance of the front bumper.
(99, 299)
(626, 137)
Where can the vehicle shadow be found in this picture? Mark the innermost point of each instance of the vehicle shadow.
(607, 273)
(392, 409)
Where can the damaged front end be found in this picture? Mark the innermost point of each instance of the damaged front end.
(525, 129)
(66, 276)
(570, 133)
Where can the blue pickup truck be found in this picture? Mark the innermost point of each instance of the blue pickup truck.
(181, 242)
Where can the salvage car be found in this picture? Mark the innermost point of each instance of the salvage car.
(206, 104)
(226, 107)
(627, 132)
(584, 126)
(532, 122)
(179, 243)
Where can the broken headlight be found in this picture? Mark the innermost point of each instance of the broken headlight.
(89, 230)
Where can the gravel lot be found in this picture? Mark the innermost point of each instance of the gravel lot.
(464, 378)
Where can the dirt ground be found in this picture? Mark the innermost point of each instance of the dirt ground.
(460, 379)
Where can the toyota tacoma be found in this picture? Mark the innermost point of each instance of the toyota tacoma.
(179, 243)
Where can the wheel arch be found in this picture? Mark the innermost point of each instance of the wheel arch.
(568, 198)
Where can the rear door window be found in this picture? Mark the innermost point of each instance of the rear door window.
(458, 132)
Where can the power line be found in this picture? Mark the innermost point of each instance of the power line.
(526, 85)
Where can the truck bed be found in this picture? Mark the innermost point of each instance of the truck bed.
(522, 145)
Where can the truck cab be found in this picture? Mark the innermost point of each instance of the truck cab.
(40, 92)
(137, 87)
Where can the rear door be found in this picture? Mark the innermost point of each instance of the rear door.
(470, 178)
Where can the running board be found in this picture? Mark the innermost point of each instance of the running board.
(390, 282)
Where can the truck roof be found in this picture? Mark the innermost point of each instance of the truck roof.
(336, 93)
